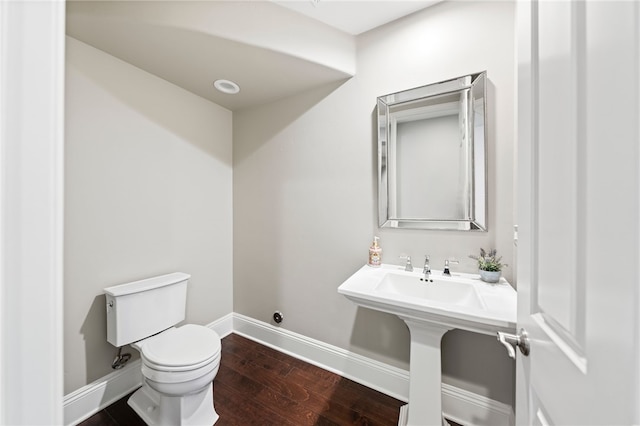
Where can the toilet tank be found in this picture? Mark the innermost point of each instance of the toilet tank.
(139, 309)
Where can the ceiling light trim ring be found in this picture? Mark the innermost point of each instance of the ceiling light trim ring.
(226, 86)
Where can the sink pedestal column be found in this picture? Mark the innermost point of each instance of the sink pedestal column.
(425, 375)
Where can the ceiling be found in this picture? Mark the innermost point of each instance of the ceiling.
(355, 16)
(271, 49)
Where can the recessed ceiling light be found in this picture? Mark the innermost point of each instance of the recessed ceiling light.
(226, 86)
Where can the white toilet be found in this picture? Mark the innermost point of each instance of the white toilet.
(178, 363)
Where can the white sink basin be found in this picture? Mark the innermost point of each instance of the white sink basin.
(460, 301)
(436, 290)
(430, 308)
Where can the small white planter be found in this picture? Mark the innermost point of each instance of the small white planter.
(490, 276)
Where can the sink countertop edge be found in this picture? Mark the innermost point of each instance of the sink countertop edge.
(489, 327)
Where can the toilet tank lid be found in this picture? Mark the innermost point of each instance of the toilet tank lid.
(146, 284)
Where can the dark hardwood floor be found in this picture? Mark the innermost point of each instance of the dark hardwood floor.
(257, 385)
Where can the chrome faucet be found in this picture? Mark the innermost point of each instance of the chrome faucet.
(426, 270)
(446, 270)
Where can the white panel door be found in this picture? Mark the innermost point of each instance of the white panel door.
(32, 42)
(578, 212)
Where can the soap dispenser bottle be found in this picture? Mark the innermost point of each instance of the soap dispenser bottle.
(375, 254)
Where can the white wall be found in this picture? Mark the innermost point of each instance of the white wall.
(305, 192)
(148, 191)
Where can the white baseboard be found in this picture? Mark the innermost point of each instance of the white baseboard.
(458, 404)
(470, 409)
(223, 326)
(88, 400)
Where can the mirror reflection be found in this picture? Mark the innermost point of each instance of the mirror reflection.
(431, 156)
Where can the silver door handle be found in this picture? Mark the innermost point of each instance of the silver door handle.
(510, 341)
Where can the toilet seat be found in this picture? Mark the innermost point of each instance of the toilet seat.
(168, 377)
(187, 348)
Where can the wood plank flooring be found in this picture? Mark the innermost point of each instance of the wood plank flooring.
(257, 385)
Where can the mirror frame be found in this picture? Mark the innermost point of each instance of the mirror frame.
(476, 214)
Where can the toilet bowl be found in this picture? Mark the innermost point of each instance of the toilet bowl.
(179, 364)
(178, 368)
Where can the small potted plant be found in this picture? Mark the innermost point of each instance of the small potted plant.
(490, 265)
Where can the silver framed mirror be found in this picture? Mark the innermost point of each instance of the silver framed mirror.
(432, 171)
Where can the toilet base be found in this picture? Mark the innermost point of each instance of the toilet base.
(194, 409)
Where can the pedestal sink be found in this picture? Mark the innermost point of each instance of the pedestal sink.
(430, 308)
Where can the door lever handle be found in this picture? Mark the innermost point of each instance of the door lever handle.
(510, 341)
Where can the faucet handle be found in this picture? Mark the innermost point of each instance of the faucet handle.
(408, 266)
(446, 270)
